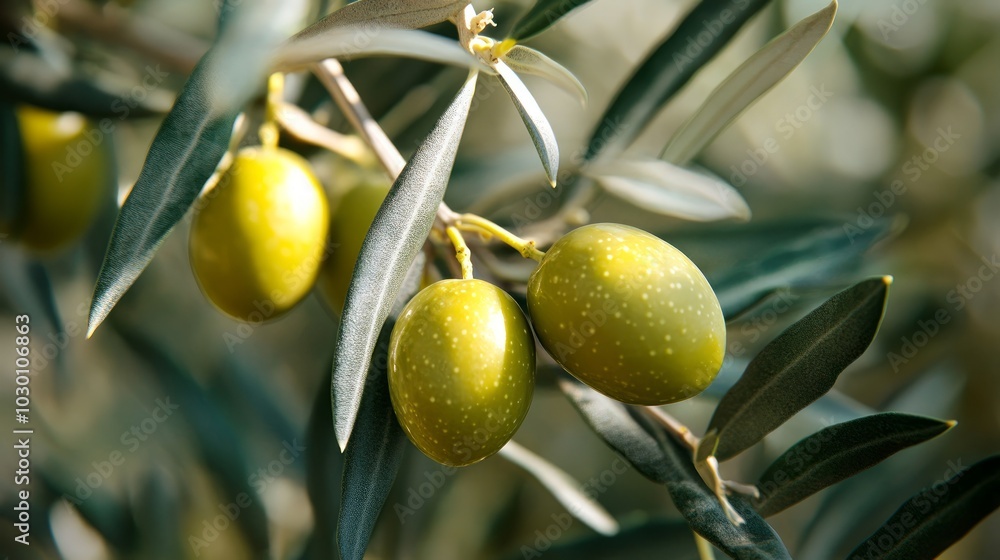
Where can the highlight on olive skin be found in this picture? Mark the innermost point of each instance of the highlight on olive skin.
(258, 239)
(628, 314)
(461, 370)
(66, 177)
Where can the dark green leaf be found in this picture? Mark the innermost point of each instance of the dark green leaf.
(324, 467)
(396, 236)
(668, 68)
(186, 150)
(374, 454)
(937, 516)
(839, 452)
(541, 16)
(12, 181)
(653, 540)
(813, 257)
(799, 366)
(662, 459)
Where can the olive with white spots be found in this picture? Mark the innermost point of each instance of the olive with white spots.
(628, 314)
(461, 370)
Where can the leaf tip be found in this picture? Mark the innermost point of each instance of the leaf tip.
(949, 424)
(887, 280)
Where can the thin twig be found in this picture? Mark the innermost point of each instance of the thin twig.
(300, 124)
(675, 427)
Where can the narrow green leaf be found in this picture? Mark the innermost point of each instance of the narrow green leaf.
(664, 188)
(937, 516)
(693, 43)
(525, 60)
(745, 85)
(375, 453)
(396, 236)
(12, 180)
(815, 256)
(376, 15)
(343, 43)
(324, 473)
(541, 16)
(563, 487)
(655, 539)
(187, 148)
(662, 459)
(839, 452)
(534, 119)
(799, 366)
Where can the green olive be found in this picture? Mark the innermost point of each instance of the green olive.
(66, 169)
(349, 224)
(461, 370)
(258, 237)
(627, 314)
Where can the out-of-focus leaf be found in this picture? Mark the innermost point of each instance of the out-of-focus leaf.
(667, 189)
(797, 368)
(188, 147)
(839, 452)
(376, 15)
(343, 43)
(324, 473)
(374, 454)
(114, 520)
(653, 540)
(534, 120)
(745, 85)
(218, 441)
(662, 459)
(396, 236)
(931, 521)
(26, 285)
(814, 256)
(541, 16)
(564, 487)
(526, 60)
(12, 181)
(667, 69)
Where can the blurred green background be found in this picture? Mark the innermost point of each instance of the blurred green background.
(901, 92)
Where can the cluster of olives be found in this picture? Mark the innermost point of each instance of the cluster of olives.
(65, 178)
(620, 309)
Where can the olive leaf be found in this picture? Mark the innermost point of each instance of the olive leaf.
(13, 185)
(814, 256)
(393, 241)
(525, 60)
(344, 43)
(563, 487)
(745, 85)
(374, 454)
(796, 368)
(645, 539)
(541, 16)
(534, 119)
(932, 520)
(839, 452)
(664, 188)
(188, 147)
(377, 15)
(657, 456)
(667, 68)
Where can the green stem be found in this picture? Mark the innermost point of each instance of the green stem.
(705, 551)
(462, 252)
(472, 222)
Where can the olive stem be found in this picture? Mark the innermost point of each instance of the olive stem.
(473, 222)
(268, 131)
(462, 253)
(705, 551)
(679, 430)
(301, 125)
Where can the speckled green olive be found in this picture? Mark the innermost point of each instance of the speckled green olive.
(461, 370)
(349, 224)
(258, 237)
(67, 166)
(627, 314)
